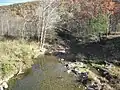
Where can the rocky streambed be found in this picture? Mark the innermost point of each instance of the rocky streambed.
(48, 74)
(91, 74)
(94, 76)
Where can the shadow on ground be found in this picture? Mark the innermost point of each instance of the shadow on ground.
(104, 50)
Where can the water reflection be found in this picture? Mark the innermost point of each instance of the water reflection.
(46, 74)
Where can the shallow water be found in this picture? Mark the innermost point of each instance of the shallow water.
(46, 74)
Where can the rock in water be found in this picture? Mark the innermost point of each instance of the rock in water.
(83, 77)
(5, 85)
(1, 88)
(68, 71)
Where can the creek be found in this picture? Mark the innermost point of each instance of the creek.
(46, 74)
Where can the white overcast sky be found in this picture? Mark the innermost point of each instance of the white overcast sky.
(8, 2)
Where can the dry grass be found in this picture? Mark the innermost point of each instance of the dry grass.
(16, 55)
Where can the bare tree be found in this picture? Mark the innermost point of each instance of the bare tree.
(48, 16)
(1, 26)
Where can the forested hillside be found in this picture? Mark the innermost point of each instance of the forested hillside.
(81, 18)
(19, 19)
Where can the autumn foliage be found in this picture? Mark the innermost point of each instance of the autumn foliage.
(106, 6)
(86, 18)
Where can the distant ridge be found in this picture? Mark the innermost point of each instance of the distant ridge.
(14, 16)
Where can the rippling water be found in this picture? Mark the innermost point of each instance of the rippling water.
(46, 74)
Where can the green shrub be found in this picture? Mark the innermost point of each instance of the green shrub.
(7, 68)
(16, 54)
(98, 24)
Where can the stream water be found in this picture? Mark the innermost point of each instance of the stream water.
(46, 74)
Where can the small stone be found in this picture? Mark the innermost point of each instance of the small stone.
(68, 71)
(62, 59)
(5, 85)
(1, 88)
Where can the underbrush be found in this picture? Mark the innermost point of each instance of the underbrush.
(16, 56)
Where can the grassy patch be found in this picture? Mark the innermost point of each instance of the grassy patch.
(16, 55)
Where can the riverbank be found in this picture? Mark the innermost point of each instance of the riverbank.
(16, 56)
(96, 62)
(93, 76)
